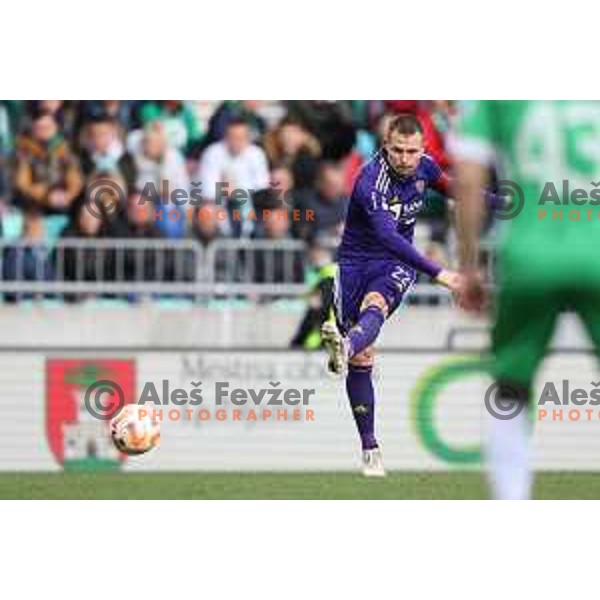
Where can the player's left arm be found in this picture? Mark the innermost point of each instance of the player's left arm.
(442, 183)
(439, 181)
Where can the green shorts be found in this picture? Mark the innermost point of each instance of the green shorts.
(525, 320)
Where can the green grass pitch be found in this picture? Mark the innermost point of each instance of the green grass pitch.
(304, 486)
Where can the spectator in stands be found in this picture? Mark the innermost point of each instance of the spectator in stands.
(64, 113)
(140, 222)
(161, 171)
(47, 174)
(280, 193)
(104, 151)
(276, 264)
(118, 111)
(330, 122)
(282, 183)
(351, 167)
(206, 230)
(105, 195)
(156, 160)
(320, 299)
(328, 204)
(80, 264)
(233, 164)
(88, 262)
(205, 226)
(234, 110)
(28, 262)
(141, 263)
(180, 123)
(291, 145)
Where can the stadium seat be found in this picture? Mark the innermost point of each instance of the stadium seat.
(12, 226)
(53, 226)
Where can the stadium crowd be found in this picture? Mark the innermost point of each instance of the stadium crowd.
(52, 152)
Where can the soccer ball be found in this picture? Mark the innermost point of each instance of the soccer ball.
(133, 431)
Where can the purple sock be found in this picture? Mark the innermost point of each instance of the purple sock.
(359, 386)
(366, 330)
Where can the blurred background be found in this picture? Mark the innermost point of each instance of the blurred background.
(53, 152)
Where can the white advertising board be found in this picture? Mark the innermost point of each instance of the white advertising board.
(430, 412)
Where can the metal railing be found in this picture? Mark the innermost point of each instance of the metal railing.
(257, 267)
(127, 268)
(100, 266)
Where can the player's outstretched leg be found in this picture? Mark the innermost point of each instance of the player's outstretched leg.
(368, 326)
(336, 347)
(363, 334)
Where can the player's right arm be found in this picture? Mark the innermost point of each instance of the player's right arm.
(384, 227)
(473, 150)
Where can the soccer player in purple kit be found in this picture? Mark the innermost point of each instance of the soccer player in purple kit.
(377, 265)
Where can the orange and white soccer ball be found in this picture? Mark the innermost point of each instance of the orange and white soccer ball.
(133, 430)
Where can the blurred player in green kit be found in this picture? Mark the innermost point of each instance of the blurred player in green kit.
(547, 257)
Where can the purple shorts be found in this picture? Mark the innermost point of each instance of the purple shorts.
(355, 280)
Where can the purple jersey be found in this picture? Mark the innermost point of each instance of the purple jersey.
(382, 213)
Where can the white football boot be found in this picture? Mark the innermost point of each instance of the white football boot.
(336, 346)
(372, 463)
